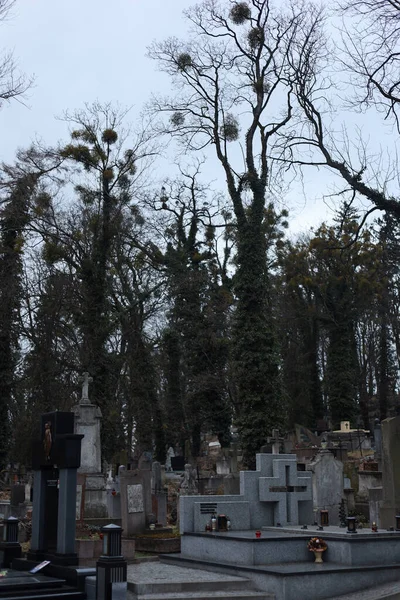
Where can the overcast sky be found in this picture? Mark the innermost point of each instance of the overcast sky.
(86, 50)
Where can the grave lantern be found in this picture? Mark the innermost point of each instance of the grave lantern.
(397, 522)
(10, 547)
(10, 531)
(351, 525)
(111, 575)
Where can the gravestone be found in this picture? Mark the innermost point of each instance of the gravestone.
(223, 466)
(133, 490)
(189, 484)
(17, 500)
(327, 484)
(156, 484)
(87, 423)
(274, 493)
(136, 500)
(55, 461)
(159, 497)
(390, 471)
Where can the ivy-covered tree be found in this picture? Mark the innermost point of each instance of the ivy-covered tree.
(237, 62)
(195, 341)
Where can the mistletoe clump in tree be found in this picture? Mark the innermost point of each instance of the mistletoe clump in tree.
(232, 71)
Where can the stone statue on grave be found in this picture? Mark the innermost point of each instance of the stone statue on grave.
(170, 454)
(189, 483)
(48, 440)
(85, 379)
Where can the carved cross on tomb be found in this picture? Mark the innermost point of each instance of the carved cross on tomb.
(85, 379)
(285, 489)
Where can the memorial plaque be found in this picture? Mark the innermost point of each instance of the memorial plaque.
(135, 498)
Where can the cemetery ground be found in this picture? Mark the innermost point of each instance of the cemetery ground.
(211, 529)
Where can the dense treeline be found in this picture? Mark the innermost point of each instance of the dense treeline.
(195, 311)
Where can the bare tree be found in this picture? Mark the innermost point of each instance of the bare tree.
(371, 55)
(235, 73)
(13, 83)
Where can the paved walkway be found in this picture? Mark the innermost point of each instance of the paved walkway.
(390, 591)
(159, 572)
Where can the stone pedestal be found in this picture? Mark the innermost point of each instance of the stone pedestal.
(87, 423)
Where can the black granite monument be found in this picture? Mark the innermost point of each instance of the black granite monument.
(55, 460)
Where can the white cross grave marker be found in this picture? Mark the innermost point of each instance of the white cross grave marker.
(275, 440)
(85, 379)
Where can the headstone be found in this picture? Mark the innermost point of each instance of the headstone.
(145, 461)
(87, 423)
(156, 484)
(170, 454)
(189, 483)
(54, 499)
(327, 484)
(134, 489)
(390, 471)
(223, 466)
(17, 500)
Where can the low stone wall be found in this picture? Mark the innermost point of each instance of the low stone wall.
(158, 545)
(89, 551)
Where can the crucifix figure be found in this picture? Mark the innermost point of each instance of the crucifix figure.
(275, 440)
(85, 379)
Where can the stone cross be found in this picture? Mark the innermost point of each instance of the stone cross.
(275, 440)
(285, 489)
(85, 379)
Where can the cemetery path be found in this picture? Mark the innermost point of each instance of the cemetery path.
(160, 581)
(389, 591)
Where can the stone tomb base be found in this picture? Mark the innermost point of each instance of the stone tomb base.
(280, 563)
(21, 585)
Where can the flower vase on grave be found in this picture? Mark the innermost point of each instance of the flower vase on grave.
(318, 555)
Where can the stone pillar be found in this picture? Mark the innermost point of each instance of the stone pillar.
(87, 422)
(39, 498)
(66, 512)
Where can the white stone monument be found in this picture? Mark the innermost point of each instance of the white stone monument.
(87, 422)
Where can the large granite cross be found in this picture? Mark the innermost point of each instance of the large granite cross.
(286, 488)
(85, 379)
